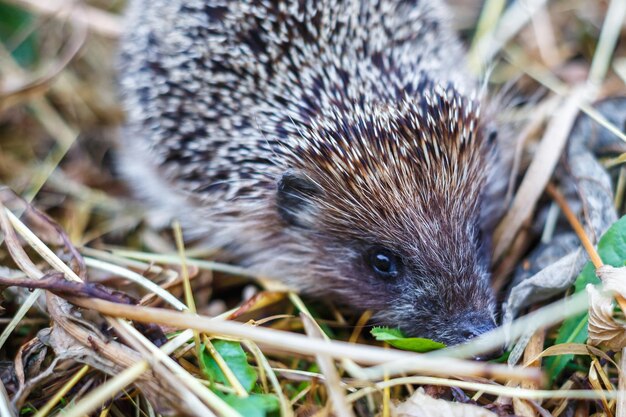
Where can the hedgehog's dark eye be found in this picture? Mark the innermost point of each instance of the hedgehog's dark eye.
(383, 262)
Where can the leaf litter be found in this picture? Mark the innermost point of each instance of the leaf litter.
(73, 342)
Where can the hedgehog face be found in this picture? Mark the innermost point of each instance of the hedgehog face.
(433, 297)
(389, 200)
(436, 287)
(422, 267)
(432, 282)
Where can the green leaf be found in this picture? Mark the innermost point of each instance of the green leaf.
(256, 405)
(12, 21)
(396, 339)
(573, 330)
(612, 245)
(235, 358)
(612, 250)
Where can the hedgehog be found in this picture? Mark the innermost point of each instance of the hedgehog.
(335, 145)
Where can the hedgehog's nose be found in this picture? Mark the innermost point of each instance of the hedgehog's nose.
(475, 324)
(476, 328)
(488, 356)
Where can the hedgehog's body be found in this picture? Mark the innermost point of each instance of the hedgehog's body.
(330, 144)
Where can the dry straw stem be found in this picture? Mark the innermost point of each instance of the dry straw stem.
(491, 11)
(546, 41)
(613, 162)
(172, 259)
(51, 121)
(45, 410)
(513, 20)
(619, 189)
(12, 242)
(619, 66)
(5, 404)
(539, 172)
(500, 390)
(544, 317)
(107, 390)
(14, 93)
(191, 304)
(572, 349)
(295, 343)
(545, 78)
(611, 30)
(621, 398)
(197, 388)
(576, 225)
(97, 20)
(137, 278)
(335, 391)
(594, 381)
(285, 406)
(228, 373)
(17, 318)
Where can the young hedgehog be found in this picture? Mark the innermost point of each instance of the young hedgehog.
(336, 145)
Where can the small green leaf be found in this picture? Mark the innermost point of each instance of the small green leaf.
(235, 358)
(28, 409)
(396, 339)
(612, 250)
(256, 405)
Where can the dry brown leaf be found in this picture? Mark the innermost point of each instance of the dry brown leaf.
(603, 328)
(422, 405)
(572, 349)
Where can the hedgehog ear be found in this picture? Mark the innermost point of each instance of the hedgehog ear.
(293, 199)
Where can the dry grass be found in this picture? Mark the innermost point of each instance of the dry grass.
(137, 349)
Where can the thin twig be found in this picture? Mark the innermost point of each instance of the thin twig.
(576, 225)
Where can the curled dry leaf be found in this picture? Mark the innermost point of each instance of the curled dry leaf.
(422, 405)
(603, 327)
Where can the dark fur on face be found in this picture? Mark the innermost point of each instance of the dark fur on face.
(405, 182)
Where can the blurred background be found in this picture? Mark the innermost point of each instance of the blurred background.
(59, 119)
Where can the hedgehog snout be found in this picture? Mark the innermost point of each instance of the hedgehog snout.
(467, 326)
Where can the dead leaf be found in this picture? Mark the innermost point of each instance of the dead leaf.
(603, 327)
(587, 187)
(421, 405)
